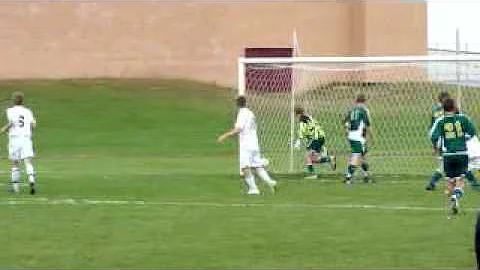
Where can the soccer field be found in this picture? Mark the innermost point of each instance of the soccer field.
(130, 176)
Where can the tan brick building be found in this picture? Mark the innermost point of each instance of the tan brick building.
(195, 40)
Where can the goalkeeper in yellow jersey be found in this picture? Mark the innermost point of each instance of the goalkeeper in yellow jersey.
(312, 134)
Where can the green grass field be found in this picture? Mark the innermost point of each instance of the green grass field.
(130, 176)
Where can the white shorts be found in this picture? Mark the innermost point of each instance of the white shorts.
(474, 164)
(250, 158)
(20, 148)
(473, 146)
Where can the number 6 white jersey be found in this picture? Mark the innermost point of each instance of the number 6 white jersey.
(20, 119)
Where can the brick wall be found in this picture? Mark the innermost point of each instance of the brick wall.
(192, 40)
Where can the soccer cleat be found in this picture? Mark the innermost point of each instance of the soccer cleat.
(348, 180)
(333, 162)
(313, 176)
(253, 192)
(430, 187)
(32, 189)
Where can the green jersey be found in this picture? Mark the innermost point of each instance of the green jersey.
(309, 128)
(437, 112)
(451, 132)
(357, 121)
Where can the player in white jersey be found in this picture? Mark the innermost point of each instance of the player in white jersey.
(20, 124)
(250, 157)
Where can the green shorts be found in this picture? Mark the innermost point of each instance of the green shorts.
(316, 145)
(455, 166)
(358, 147)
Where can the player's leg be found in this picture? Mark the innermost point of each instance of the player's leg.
(452, 196)
(354, 161)
(451, 179)
(473, 166)
(457, 194)
(258, 163)
(14, 156)
(455, 169)
(449, 169)
(15, 177)
(310, 157)
(31, 174)
(249, 179)
(248, 176)
(27, 156)
(461, 171)
(321, 154)
(364, 166)
(437, 175)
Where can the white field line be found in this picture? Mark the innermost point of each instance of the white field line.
(339, 181)
(71, 201)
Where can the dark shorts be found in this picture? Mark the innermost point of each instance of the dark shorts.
(358, 147)
(455, 166)
(316, 145)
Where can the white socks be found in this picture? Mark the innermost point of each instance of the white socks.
(16, 175)
(30, 171)
(250, 181)
(16, 179)
(262, 173)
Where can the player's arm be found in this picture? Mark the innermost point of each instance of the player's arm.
(435, 134)
(7, 126)
(228, 134)
(33, 125)
(470, 129)
(241, 119)
(302, 128)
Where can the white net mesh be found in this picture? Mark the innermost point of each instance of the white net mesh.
(400, 98)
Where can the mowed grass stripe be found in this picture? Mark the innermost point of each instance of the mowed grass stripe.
(116, 202)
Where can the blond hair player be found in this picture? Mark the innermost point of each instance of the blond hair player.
(250, 157)
(20, 125)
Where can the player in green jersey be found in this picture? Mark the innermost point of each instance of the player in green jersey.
(437, 112)
(357, 123)
(312, 134)
(449, 134)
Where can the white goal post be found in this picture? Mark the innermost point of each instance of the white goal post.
(400, 90)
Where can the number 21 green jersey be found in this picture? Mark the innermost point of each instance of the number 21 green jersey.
(453, 131)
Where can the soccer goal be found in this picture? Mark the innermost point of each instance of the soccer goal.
(400, 93)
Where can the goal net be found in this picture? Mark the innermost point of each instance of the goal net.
(400, 93)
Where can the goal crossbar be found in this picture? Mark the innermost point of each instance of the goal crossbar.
(359, 59)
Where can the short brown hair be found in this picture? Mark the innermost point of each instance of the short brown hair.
(449, 105)
(241, 101)
(299, 110)
(17, 97)
(361, 98)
